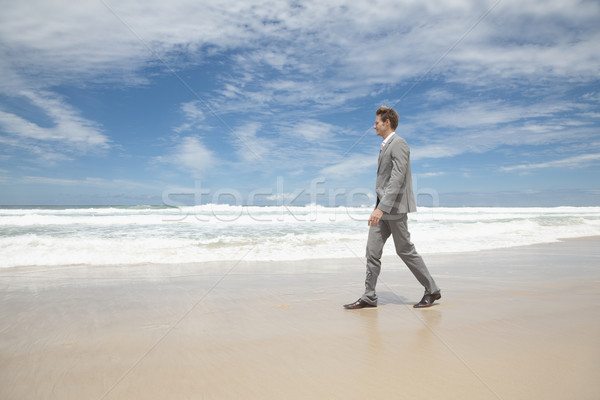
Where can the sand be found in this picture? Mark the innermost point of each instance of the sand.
(517, 323)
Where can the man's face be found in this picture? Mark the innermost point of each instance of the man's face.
(382, 128)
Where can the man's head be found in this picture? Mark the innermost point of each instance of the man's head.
(386, 121)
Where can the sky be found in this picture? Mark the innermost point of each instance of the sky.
(106, 102)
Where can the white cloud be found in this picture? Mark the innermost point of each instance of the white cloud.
(431, 174)
(478, 127)
(193, 111)
(578, 161)
(287, 146)
(592, 96)
(65, 131)
(350, 166)
(481, 113)
(114, 40)
(190, 155)
(251, 148)
(60, 43)
(314, 131)
(68, 126)
(442, 150)
(193, 115)
(86, 182)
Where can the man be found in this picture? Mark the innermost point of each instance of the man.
(395, 199)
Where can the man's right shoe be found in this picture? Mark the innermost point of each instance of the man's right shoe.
(358, 304)
(427, 300)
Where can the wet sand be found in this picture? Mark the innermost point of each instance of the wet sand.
(518, 323)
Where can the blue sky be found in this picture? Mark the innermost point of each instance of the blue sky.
(263, 102)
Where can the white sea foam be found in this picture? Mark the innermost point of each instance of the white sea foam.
(139, 235)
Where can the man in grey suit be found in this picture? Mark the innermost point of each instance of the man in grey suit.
(395, 199)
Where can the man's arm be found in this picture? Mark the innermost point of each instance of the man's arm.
(400, 158)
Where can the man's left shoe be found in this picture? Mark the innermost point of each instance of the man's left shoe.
(358, 304)
(427, 300)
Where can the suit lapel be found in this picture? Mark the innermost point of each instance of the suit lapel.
(382, 152)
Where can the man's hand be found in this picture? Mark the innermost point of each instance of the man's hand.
(375, 217)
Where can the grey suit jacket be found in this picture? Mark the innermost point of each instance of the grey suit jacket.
(394, 180)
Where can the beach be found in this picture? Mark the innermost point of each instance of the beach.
(513, 323)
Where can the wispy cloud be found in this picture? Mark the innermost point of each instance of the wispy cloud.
(194, 117)
(466, 126)
(93, 43)
(349, 59)
(68, 127)
(350, 166)
(85, 182)
(190, 155)
(315, 131)
(467, 113)
(251, 147)
(65, 132)
(431, 174)
(569, 162)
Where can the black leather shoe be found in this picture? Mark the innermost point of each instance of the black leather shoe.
(427, 300)
(359, 304)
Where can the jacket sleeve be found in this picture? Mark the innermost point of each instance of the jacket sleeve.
(394, 189)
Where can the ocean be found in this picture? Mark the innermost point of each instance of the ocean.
(53, 236)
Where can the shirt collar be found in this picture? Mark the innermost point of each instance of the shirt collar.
(387, 139)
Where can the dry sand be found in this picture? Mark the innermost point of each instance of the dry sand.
(518, 323)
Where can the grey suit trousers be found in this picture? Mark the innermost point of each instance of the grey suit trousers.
(395, 225)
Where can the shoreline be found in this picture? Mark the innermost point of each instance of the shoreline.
(582, 238)
(133, 237)
(387, 256)
(504, 328)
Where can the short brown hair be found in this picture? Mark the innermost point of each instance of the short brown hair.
(388, 113)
